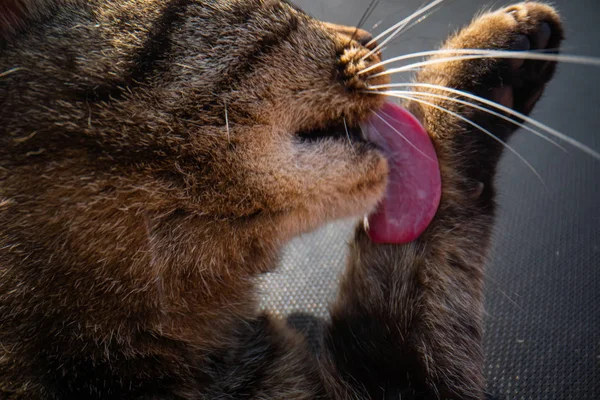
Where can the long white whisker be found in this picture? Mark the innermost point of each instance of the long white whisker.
(408, 27)
(348, 135)
(493, 54)
(374, 128)
(486, 110)
(500, 107)
(390, 16)
(415, 23)
(402, 136)
(404, 21)
(418, 55)
(362, 132)
(377, 132)
(566, 58)
(475, 125)
(398, 27)
(227, 123)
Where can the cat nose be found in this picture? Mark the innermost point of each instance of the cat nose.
(360, 35)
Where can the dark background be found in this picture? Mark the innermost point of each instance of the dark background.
(543, 287)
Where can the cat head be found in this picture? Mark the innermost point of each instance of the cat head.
(238, 110)
(294, 104)
(287, 103)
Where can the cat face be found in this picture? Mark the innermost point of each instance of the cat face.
(244, 110)
(294, 104)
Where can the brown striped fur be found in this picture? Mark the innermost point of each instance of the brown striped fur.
(152, 165)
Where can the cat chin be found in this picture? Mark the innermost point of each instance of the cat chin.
(353, 195)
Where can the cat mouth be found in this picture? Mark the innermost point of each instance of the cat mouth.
(414, 186)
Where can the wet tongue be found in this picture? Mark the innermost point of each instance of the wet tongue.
(414, 184)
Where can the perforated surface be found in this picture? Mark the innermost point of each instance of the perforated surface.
(543, 287)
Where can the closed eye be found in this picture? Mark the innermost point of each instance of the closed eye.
(335, 131)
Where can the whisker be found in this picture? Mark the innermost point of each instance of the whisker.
(486, 110)
(417, 22)
(374, 128)
(348, 135)
(227, 123)
(487, 276)
(365, 17)
(11, 71)
(381, 136)
(401, 135)
(397, 28)
(186, 66)
(500, 107)
(409, 27)
(376, 25)
(479, 54)
(362, 133)
(475, 125)
(418, 55)
(471, 52)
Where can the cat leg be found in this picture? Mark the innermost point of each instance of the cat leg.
(265, 360)
(408, 320)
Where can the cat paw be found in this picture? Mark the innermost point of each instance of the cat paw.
(517, 83)
(521, 81)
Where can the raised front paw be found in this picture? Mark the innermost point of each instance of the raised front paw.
(502, 58)
(508, 80)
(519, 82)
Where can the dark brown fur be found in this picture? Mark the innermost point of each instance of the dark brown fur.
(135, 216)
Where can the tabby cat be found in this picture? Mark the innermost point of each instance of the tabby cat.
(156, 155)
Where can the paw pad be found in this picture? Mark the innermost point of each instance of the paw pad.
(538, 29)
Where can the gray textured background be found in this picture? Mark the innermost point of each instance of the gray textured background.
(543, 287)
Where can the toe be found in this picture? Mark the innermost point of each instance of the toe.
(521, 43)
(503, 95)
(541, 38)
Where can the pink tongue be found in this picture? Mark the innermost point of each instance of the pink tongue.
(414, 186)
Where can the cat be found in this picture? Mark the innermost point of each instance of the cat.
(155, 157)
